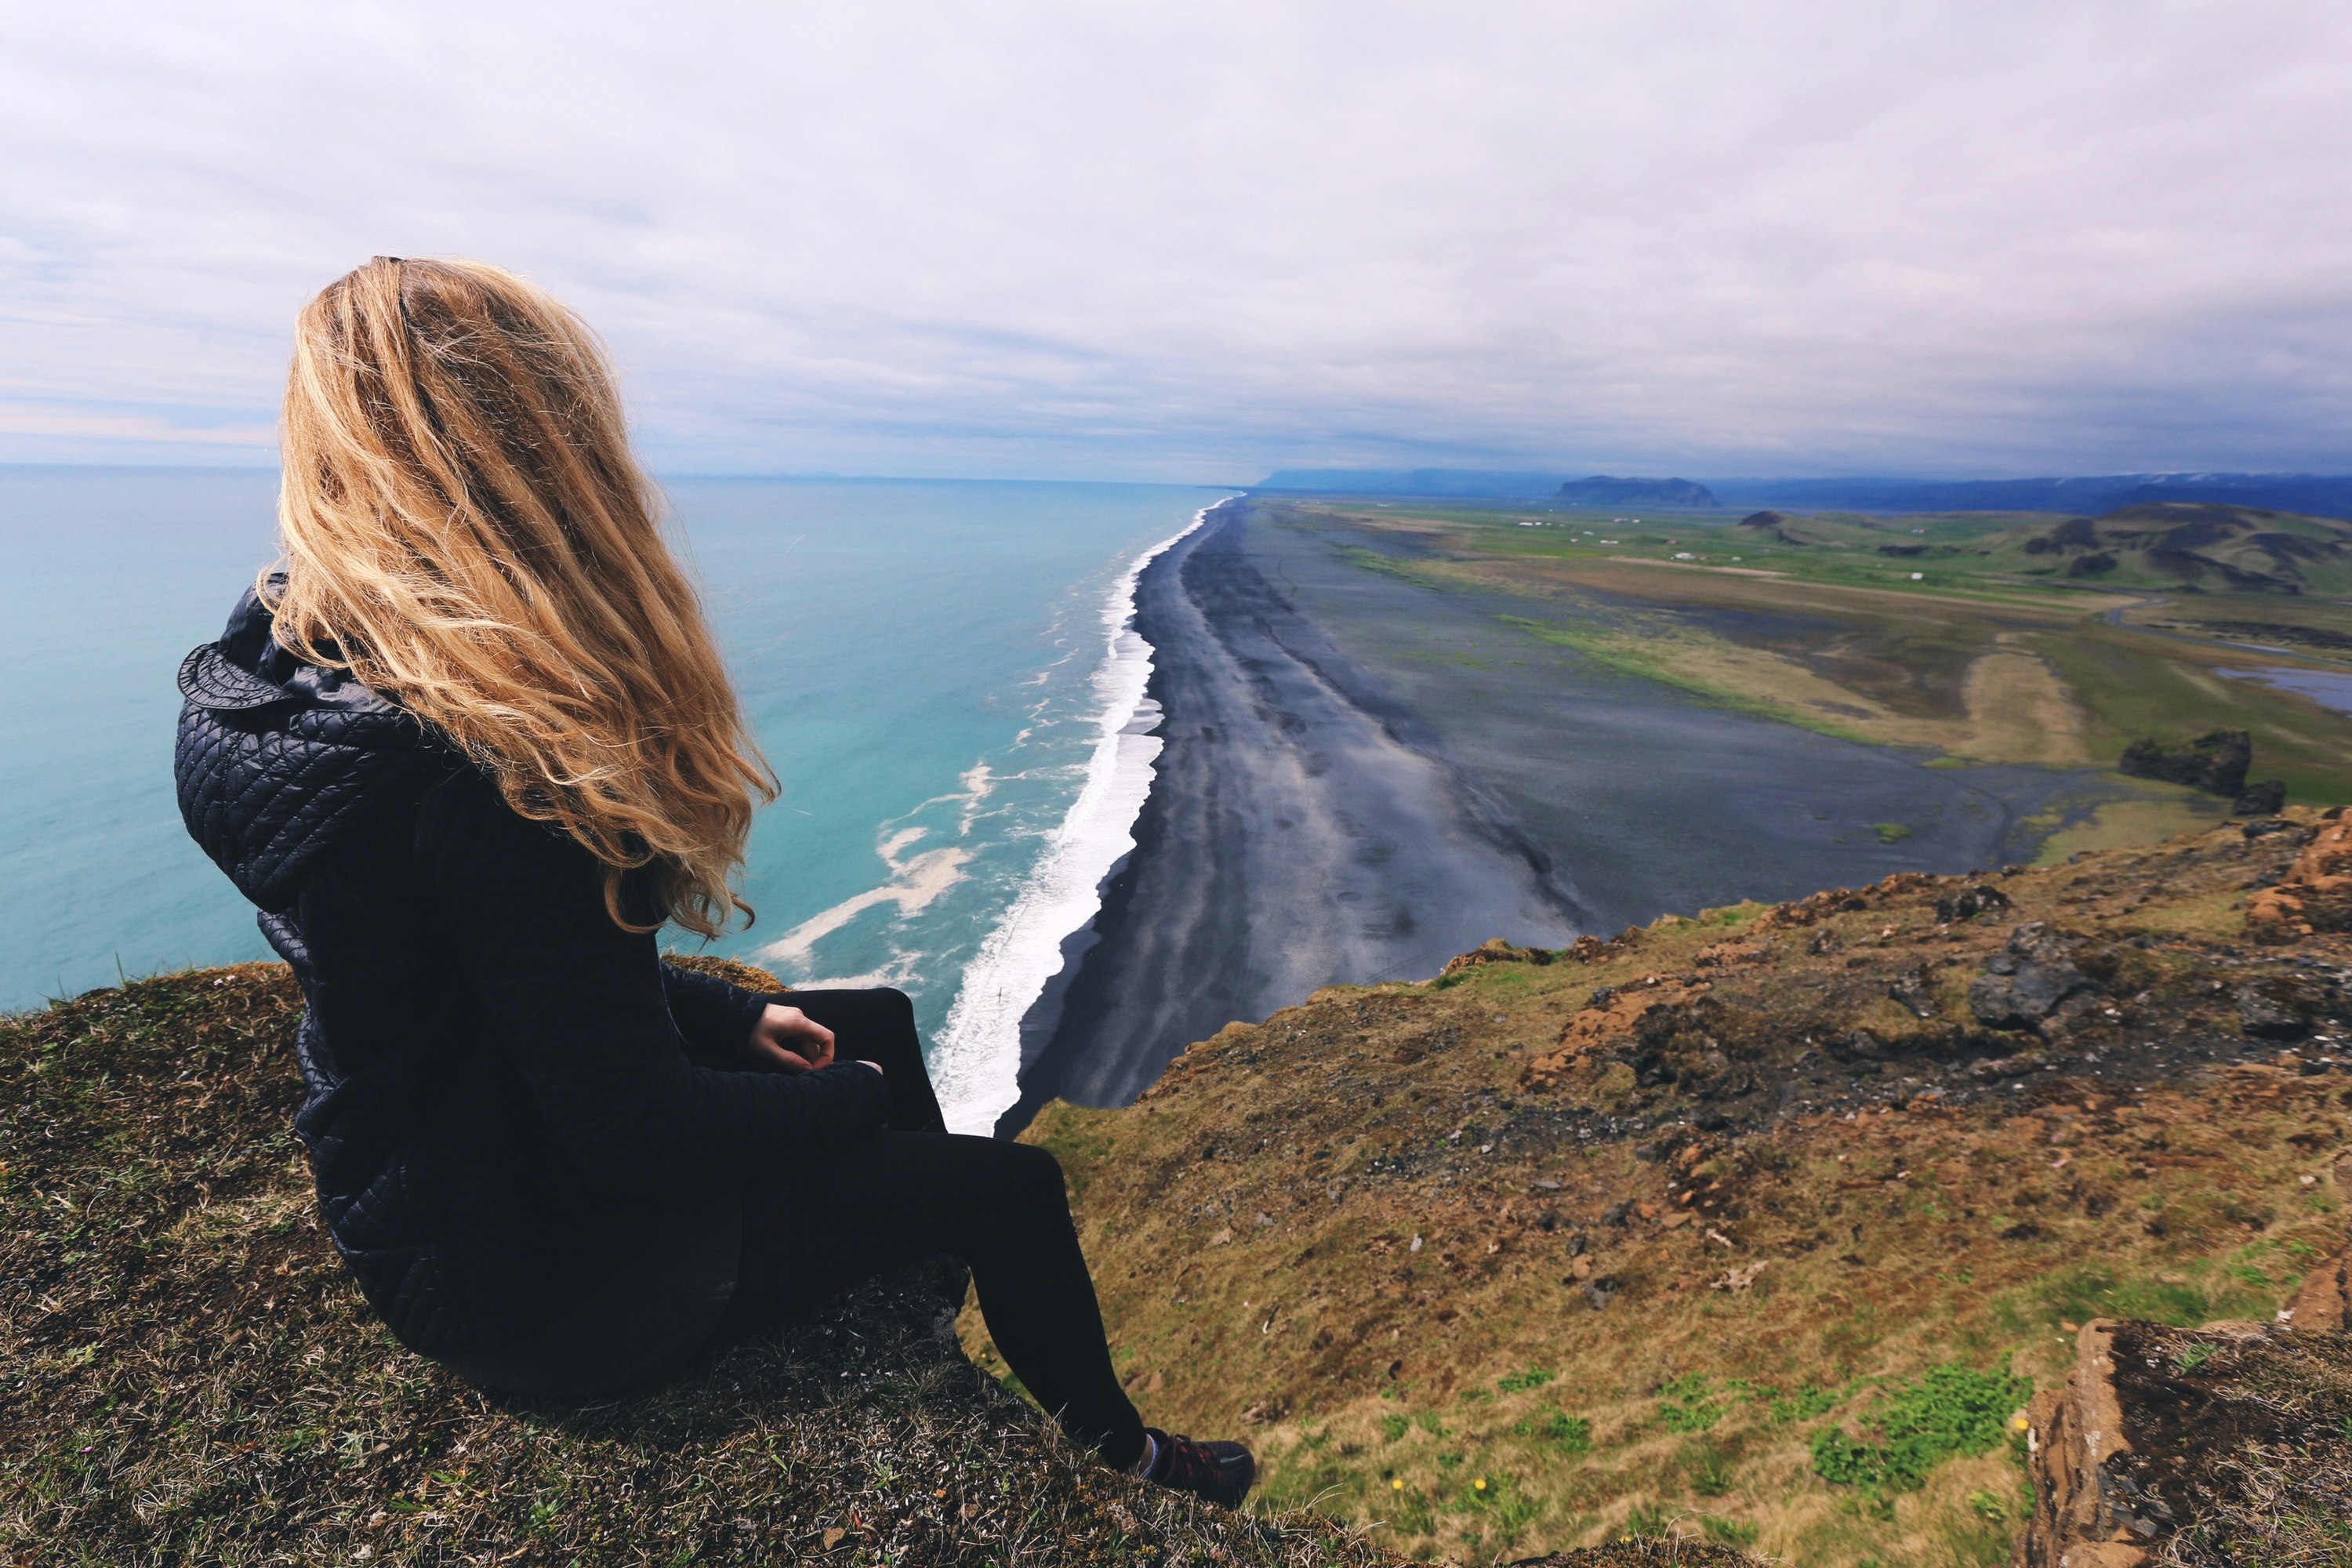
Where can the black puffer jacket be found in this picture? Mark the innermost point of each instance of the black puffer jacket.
(504, 1086)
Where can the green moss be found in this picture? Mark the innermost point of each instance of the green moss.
(2078, 1292)
(1949, 1410)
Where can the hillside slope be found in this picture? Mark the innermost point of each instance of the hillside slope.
(2198, 547)
(1767, 1222)
(187, 1374)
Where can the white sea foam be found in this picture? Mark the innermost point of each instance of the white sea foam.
(977, 1061)
(916, 882)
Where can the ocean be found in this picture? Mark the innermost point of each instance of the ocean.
(942, 673)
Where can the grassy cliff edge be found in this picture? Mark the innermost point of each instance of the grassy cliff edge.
(1759, 1227)
(187, 1374)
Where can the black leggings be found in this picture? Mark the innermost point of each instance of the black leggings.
(916, 1189)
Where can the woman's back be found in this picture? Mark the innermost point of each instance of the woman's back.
(504, 1088)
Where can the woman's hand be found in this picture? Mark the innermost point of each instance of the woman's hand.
(789, 1038)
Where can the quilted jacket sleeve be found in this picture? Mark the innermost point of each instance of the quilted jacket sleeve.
(582, 1007)
(715, 1018)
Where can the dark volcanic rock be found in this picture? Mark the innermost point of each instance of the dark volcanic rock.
(2029, 981)
(2215, 762)
(2277, 1009)
(1916, 989)
(1971, 900)
(2264, 799)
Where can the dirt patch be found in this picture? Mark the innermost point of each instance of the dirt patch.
(2019, 712)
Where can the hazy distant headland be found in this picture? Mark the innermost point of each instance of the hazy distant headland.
(2314, 495)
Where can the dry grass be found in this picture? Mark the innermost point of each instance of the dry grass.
(1351, 1231)
(2249, 1437)
(186, 1375)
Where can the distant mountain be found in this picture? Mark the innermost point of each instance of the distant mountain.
(1462, 483)
(2196, 546)
(2315, 495)
(1601, 489)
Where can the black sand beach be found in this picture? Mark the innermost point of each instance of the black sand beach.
(1363, 776)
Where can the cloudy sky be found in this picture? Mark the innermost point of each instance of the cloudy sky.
(1196, 240)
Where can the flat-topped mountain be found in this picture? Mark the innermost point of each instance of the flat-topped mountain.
(1605, 489)
(1432, 483)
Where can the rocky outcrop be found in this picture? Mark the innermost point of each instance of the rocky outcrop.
(2082, 1516)
(2229, 1444)
(2215, 762)
(2267, 798)
(1496, 952)
(2032, 979)
(1611, 1021)
(2315, 894)
(1970, 901)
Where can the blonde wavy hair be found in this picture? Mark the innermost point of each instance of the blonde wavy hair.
(465, 530)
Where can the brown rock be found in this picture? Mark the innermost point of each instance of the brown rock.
(1497, 951)
(1609, 1021)
(2075, 1431)
(2182, 1443)
(2316, 894)
(2325, 1299)
(1816, 907)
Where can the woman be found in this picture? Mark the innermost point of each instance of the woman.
(468, 752)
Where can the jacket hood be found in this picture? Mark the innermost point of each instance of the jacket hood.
(277, 759)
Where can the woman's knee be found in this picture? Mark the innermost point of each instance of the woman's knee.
(884, 1015)
(1036, 1177)
(1015, 1176)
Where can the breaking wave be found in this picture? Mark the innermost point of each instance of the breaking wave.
(977, 1060)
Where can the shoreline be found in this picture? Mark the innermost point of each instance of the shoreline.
(1361, 778)
(1301, 830)
(979, 1049)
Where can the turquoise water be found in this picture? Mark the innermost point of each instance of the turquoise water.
(926, 663)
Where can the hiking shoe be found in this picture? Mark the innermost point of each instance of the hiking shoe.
(1223, 1473)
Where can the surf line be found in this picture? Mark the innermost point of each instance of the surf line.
(978, 1065)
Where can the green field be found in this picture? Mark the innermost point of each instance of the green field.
(1980, 637)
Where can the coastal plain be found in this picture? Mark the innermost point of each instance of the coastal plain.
(1977, 638)
(1393, 730)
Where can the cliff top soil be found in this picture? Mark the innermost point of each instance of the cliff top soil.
(187, 1374)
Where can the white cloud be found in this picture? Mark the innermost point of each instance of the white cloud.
(1191, 241)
